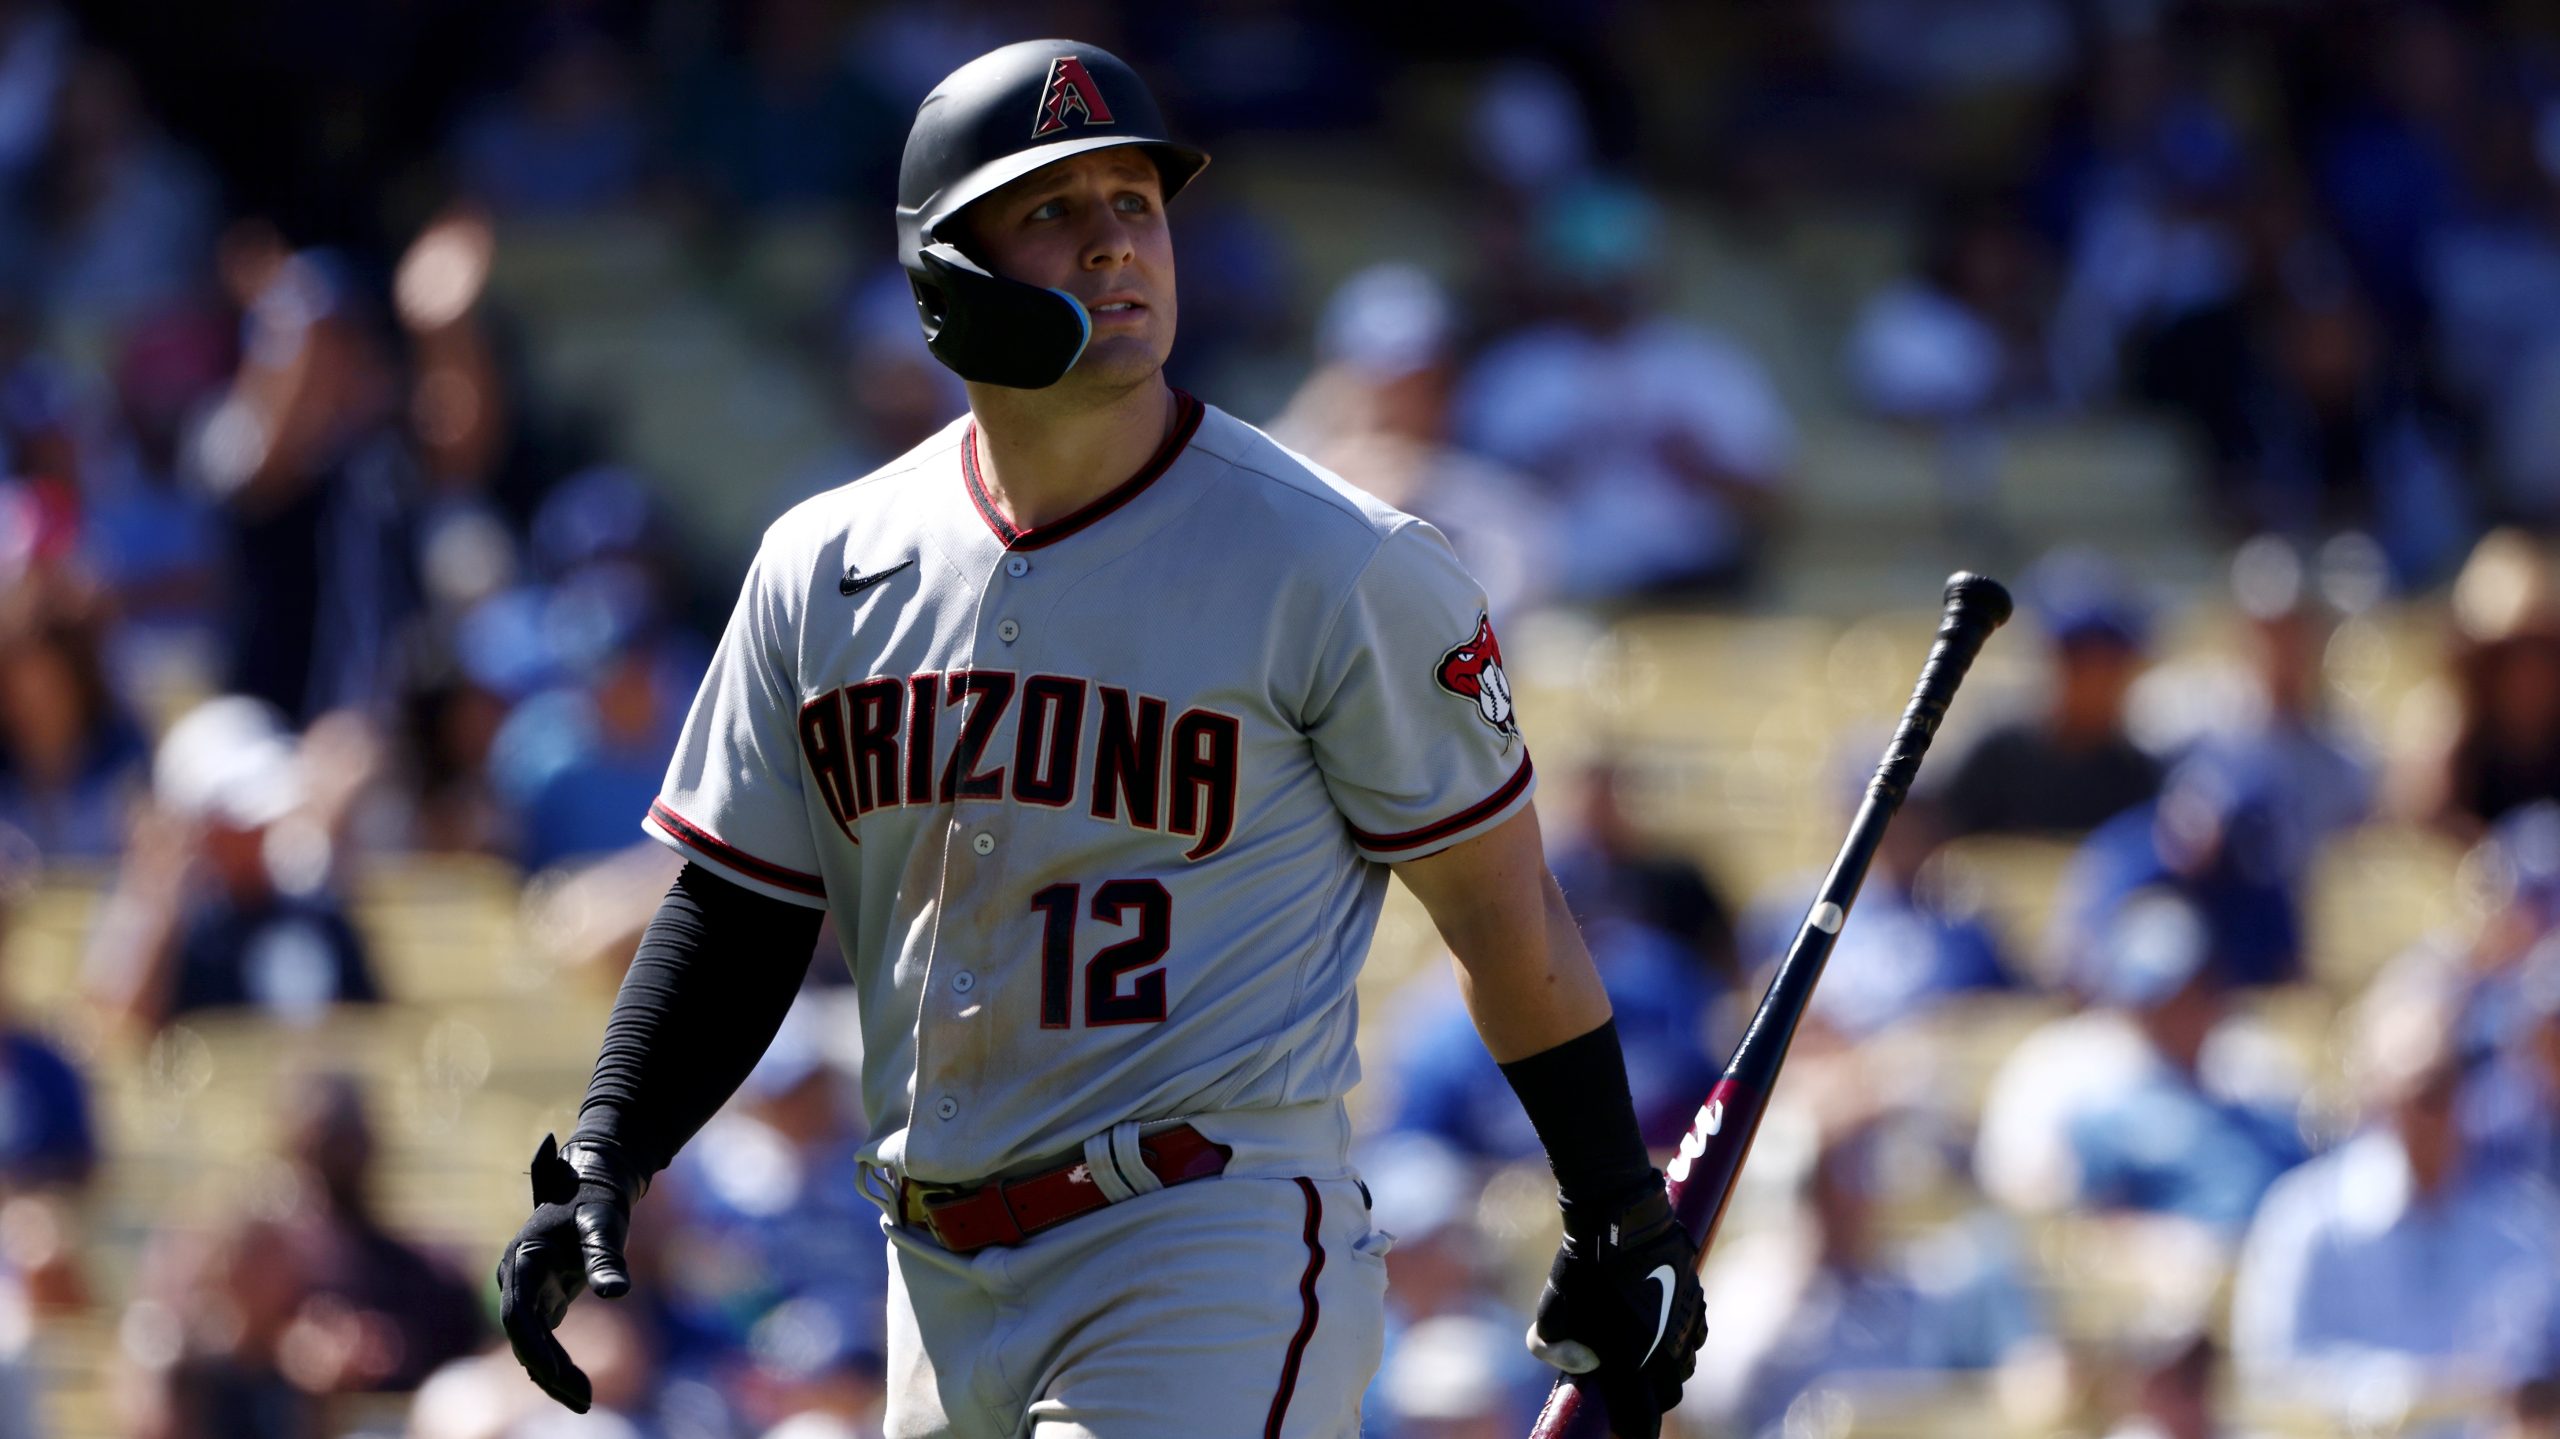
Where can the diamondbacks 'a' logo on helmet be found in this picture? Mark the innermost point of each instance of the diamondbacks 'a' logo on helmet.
(1070, 88)
(1472, 670)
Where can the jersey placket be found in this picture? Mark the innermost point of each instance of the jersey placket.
(967, 964)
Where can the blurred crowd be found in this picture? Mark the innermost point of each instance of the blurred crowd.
(300, 565)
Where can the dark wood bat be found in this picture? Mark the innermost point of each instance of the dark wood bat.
(1701, 1176)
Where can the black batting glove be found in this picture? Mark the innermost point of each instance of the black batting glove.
(1622, 1309)
(581, 1212)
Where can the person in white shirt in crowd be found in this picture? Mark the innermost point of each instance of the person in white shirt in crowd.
(1665, 446)
(2394, 1275)
(2156, 1103)
(1376, 405)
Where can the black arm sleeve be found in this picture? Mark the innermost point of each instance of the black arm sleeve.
(714, 975)
(1578, 1101)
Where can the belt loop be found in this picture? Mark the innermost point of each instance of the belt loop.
(882, 1187)
(1106, 1175)
(1131, 1163)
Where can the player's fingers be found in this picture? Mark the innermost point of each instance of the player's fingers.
(550, 1367)
(531, 1301)
(600, 1232)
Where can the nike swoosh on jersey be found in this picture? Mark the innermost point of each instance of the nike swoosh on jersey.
(1661, 1275)
(855, 582)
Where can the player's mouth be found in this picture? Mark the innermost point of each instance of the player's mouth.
(1124, 309)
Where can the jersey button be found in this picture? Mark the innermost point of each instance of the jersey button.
(1017, 566)
(983, 842)
(1008, 631)
(946, 1106)
(963, 982)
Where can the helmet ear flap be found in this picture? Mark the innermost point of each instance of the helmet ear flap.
(992, 330)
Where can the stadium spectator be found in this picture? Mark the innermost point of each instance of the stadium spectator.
(1376, 410)
(383, 1312)
(783, 124)
(1439, 1267)
(1831, 1302)
(1615, 875)
(313, 475)
(225, 897)
(1958, 338)
(579, 763)
(775, 1276)
(2157, 1100)
(151, 541)
(891, 394)
(1443, 1082)
(2395, 1259)
(2267, 714)
(2218, 839)
(2510, 1106)
(1665, 446)
(2072, 766)
(569, 139)
(126, 217)
(71, 759)
(207, 1346)
(2498, 746)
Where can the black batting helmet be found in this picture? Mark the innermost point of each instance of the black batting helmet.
(995, 120)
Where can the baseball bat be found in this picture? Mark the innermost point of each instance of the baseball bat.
(1701, 1176)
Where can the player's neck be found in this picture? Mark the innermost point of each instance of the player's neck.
(1040, 460)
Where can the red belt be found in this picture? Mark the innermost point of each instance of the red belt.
(1009, 1211)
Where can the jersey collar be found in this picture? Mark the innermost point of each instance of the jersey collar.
(1186, 422)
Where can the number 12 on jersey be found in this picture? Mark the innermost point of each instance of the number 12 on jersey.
(1114, 902)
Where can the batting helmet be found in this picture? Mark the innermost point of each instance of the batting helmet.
(995, 120)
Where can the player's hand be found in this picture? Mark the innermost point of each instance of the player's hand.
(572, 1242)
(1622, 1306)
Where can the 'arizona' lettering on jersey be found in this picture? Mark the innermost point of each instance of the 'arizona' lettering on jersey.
(851, 739)
(1096, 854)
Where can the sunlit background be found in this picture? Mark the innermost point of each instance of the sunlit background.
(391, 395)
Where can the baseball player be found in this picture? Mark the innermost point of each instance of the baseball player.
(1097, 721)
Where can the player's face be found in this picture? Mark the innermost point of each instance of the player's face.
(1093, 226)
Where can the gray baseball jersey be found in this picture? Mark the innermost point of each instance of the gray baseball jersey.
(1101, 808)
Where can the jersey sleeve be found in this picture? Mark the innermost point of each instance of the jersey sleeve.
(1410, 713)
(732, 801)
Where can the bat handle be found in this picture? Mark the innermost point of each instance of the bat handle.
(1975, 606)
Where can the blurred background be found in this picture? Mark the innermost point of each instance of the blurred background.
(390, 397)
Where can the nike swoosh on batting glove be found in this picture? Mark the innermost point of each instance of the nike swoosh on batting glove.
(1622, 1309)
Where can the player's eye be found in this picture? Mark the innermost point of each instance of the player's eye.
(1134, 203)
(1047, 210)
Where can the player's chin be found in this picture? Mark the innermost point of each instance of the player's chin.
(1117, 362)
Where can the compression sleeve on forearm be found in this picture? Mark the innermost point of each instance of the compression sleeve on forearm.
(706, 992)
(1577, 1098)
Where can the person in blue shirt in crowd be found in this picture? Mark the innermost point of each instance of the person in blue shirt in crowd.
(1444, 1083)
(2150, 1102)
(2399, 1257)
(1832, 1303)
(773, 1255)
(2219, 837)
(2510, 1106)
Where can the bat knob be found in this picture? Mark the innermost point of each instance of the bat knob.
(1978, 596)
